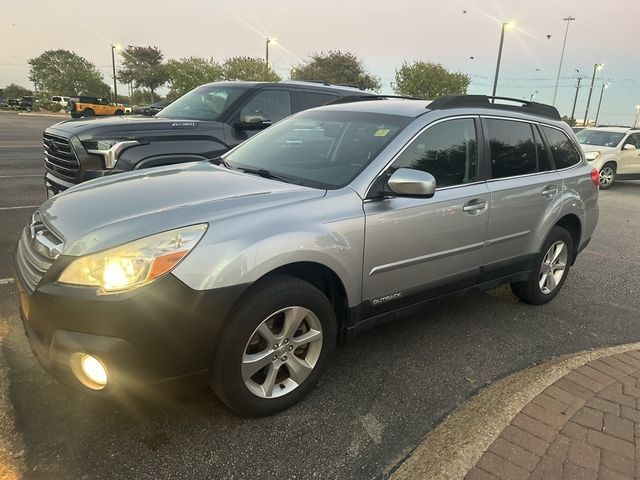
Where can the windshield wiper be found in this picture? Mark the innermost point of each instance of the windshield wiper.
(263, 172)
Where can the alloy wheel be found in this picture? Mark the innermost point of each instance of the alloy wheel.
(553, 267)
(606, 175)
(282, 352)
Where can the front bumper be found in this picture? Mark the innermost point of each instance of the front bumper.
(159, 332)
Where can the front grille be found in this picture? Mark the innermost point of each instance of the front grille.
(59, 157)
(37, 250)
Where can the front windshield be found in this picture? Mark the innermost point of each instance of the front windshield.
(601, 138)
(321, 149)
(207, 102)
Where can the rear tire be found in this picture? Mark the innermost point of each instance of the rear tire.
(607, 175)
(88, 112)
(262, 364)
(552, 267)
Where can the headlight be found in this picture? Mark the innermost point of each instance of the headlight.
(134, 264)
(591, 156)
(109, 149)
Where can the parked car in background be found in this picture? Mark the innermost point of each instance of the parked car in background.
(84, 106)
(150, 110)
(614, 151)
(249, 267)
(27, 103)
(200, 125)
(63, 101)
(13, 103)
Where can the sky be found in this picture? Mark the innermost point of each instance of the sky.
(462, 35)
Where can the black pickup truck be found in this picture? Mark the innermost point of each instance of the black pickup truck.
(200, 125)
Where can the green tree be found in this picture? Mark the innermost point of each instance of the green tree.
(188, 73)
(429, 81)
(336, 67)
(61, 72)
(249, 69)
(15, 91)
(143, 67)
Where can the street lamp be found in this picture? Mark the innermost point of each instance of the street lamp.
(568, 19)
(635, 124)
(604, 87)
(596, 68)
(115, 47)
(269, 40)
(505, 26)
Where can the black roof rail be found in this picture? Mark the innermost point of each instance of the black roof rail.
(360, 98)
(485, 101)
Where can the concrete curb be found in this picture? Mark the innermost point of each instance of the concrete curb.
(27, 114)
(11, 445)
(457, 444)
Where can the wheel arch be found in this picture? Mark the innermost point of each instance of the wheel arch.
(324, 279)
(573, 225)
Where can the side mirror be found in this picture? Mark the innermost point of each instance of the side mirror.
(253, 121)
(415, 183)
(629, 146)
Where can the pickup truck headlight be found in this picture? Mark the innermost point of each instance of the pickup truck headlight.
(110, 150)
(134, 264)
(592, 156)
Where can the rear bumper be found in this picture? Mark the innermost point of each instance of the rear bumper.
(160, 332)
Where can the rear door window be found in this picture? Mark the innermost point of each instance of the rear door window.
(314, 99)
(564, 153)
(512, 148)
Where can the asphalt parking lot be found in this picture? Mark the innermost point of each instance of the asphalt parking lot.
(385, 391)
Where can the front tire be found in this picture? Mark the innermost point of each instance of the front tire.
(607, 175)
(117, 113)
(275, 348)
(552, 266)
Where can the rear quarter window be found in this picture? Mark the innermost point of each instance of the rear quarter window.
(564, 152)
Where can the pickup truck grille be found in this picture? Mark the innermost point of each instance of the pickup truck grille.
(59, 157)
(37, 250)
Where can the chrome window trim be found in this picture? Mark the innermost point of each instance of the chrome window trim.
(410, 141)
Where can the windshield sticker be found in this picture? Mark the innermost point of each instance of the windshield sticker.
(381, 132)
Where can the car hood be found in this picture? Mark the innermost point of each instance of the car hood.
(110, 211)
(124, 126)
(596, 148)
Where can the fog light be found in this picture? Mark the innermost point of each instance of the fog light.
(91, 372)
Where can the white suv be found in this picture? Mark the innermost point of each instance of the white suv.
(614, 151)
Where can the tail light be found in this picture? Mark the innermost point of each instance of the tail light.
(595, 177)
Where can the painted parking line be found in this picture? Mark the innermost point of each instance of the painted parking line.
(19, 207)
(21, 175)
(6, 281)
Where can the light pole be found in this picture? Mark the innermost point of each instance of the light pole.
(114, 47)
(604, 87)
(266, 57)
(568, 19)
(596, 68)
(505, 26)
(635, 123)
(575, 99)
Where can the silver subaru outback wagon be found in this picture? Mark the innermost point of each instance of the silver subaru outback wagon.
(247, 270)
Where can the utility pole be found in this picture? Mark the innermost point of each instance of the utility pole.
(575, 99)
(568, 19)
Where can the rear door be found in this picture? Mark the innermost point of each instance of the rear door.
(523, 185)
(418, 248)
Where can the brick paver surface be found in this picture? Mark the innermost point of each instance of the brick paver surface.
(584, 426)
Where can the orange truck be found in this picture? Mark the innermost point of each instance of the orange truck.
(93, 106)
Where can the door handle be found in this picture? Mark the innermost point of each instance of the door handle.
(549, 191)
(474, 207)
